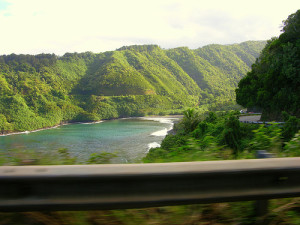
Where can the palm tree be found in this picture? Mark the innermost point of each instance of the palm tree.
(190, 120)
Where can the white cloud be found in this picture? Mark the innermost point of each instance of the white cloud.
(59, 26)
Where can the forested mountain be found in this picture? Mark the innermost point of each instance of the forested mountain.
(273, 84)
(45, 90)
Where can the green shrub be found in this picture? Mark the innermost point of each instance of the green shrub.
(101, 158)
(173, 141)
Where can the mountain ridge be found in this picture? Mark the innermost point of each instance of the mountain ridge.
(44, 90)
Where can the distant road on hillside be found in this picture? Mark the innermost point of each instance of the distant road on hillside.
(255, 118)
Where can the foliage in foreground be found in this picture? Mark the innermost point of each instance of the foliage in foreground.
(199, 137)
(281, 212)
(220, 137)
(17, 157)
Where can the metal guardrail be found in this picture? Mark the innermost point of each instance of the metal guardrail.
(112, 186)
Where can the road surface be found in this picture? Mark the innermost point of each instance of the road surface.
(250, 118)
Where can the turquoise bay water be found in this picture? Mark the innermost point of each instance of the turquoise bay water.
(130, 139)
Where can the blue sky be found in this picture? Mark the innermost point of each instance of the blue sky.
(59, 26)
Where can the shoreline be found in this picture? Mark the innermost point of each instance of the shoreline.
(90, 122)
(47, 128)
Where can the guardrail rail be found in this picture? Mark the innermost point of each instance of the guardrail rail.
(116, 186)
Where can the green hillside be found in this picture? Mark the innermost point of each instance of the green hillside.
(45, 90)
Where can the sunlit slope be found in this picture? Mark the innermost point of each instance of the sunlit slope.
(137, 70)
(148, 70)
(44, 90)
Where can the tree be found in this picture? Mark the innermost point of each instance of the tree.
(190, 120)
(232, 134)
(291, 127)
(273, 84)
(4, 125)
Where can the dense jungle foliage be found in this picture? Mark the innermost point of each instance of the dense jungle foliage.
(221, 136)
(273, 84)
(45, 90)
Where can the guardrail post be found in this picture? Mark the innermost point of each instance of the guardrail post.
(261, 206)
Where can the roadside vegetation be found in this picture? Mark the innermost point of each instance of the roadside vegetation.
(197, 137)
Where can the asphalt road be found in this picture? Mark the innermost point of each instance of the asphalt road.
(250, 118)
